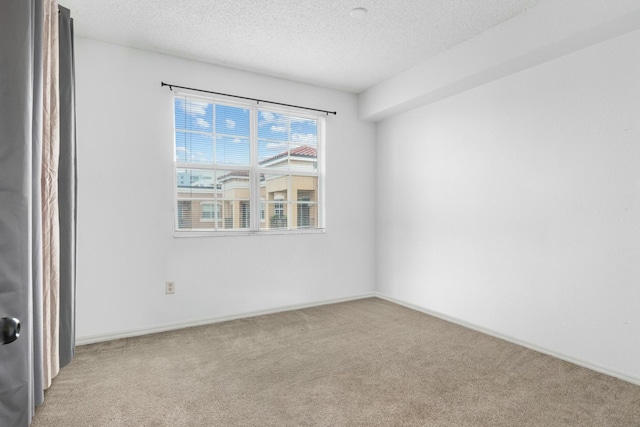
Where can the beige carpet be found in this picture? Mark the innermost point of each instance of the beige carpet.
(361, 363)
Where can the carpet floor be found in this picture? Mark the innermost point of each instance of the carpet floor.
(361, 363)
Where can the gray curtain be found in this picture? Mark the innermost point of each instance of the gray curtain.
(67, 178)
(21, 247)
(36, 391)
(20, 135)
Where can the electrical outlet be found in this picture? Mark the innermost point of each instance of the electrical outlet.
(170, 287)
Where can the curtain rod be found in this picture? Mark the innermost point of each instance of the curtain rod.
(171, 86)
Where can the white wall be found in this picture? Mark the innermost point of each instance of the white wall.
(126, 248)
(515, 206)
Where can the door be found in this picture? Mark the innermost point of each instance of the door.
(17, 56)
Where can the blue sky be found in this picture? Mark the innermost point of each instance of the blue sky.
(276, 133)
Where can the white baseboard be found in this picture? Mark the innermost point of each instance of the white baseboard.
(91, 339)
(567, 358)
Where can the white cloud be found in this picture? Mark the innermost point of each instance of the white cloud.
(199, 157)
(301, 120)
(196, 108)
(305, 138)
(237, 141)
(203, 123)
(267, 116)
(275, 128)
(182, 153)
(230, 124)
(195, 111)
(273, 145)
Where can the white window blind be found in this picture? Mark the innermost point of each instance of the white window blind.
(243, 168)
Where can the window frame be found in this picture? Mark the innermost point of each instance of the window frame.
(257, 205)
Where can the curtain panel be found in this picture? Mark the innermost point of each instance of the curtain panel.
(67, 188)
(49, 192)
(37, 200)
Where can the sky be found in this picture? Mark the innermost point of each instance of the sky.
(199, 124)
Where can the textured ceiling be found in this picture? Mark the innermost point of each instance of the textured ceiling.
(310, 41)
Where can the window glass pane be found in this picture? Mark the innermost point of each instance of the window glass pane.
(233, 184)
(232, 120)
(305, 215)
(274, 189)
(275, 216)
(303, 158)
(193, 147)
(210, 216)
(273, 154)
(287, 142)
(306, 188)
(304, 131)
(191, 114)
(196, 184)
(235, 195)
(235, 214)
(207, 211)
(184, 214)
(199, 215)
(225, 214)
(211, 211)
(194, 178)
(232, 150)
(273, 126)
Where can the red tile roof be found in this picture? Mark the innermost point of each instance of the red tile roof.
(302, 151)
(233, 174)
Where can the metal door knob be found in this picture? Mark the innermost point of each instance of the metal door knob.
(9, 330)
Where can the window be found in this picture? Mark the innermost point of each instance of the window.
(241, 168)
(211, 211)
(184, 214)
(305, 208)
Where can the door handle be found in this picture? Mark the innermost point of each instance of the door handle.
(9, 330)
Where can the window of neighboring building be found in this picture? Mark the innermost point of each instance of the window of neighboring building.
(243, 168)
(210, 211)
(184, 214)
(207, 212)
(305, 207)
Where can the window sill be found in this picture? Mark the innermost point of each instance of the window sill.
(228, 233)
